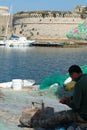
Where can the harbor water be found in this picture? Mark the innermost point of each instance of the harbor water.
(38, 63)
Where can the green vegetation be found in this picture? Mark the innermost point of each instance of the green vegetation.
(82, 10)
(44, 13)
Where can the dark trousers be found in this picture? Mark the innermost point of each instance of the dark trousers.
(61, 118)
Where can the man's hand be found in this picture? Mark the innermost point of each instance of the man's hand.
(65, 100)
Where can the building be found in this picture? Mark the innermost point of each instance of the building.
(4, 10)
(46, 24)
(4, 20)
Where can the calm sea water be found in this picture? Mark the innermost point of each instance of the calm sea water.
(38, 62)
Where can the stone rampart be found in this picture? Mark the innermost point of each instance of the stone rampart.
(37, 27)
(4, 10)
(4, 21)
(41, 24)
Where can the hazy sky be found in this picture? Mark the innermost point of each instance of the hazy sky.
(30, 5)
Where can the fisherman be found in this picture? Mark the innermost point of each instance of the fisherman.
(77, 103)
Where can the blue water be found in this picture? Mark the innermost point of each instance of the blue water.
(38, 62)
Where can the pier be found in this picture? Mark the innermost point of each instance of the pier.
(59, 43)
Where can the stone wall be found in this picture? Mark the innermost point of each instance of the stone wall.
(4, 21)
(4, 10)
(5, 25)
(40, 24)
(43, 28)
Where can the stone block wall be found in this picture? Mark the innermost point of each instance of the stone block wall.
(43, 28)
(40, 24)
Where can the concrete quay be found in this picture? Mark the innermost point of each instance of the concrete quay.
(59, 43)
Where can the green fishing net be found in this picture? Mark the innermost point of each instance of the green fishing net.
(53, 80)
(57, 79)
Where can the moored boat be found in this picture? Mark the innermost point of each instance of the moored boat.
(16, 41)
(21, 41)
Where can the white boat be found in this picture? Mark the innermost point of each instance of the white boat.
(2, 41)
(19, 42)
(15, 41)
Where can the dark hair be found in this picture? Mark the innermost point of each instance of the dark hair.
(74, 68)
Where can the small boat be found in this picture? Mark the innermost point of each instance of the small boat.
(48, 44)
(2, 40)
(22, 41)
(2, 43)
(16, 41)
(19, 42)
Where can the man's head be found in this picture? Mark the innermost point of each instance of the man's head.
(75, 72)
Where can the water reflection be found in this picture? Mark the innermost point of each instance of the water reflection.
(38, 62)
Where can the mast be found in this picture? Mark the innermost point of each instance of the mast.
(9, 24)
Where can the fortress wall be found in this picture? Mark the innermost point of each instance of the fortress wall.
(51, 30)
(4, 24)
(4, 20)
(47, 20)
(43, 28)
(4, 10)
(41, 24)
(4, 15)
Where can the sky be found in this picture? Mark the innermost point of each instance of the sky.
(35, 5)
